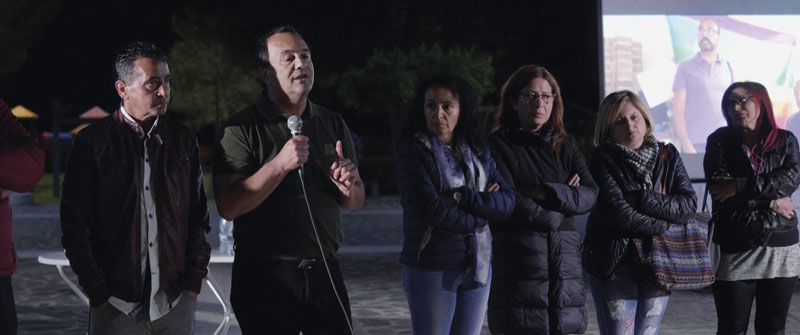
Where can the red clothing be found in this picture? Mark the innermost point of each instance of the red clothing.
(21, 166)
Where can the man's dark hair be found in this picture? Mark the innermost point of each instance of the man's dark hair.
(123, 63)
(262, 53)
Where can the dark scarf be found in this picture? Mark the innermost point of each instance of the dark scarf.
(466, 172)
(642, 161)
(545, 134)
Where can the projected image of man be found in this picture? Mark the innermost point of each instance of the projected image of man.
(698, 87)
(793, 123)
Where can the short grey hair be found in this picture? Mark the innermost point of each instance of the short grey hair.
(123, 63)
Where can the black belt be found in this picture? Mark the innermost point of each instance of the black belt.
(299, 262)
(305, 263)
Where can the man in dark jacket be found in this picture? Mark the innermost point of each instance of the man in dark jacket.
(21, 166)
(133, 211)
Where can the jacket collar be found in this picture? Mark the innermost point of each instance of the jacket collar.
(698, 58)
(122, 117)
(545, 134)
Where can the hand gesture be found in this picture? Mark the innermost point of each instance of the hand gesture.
(343, 172)
(4, 193)
(293, 154)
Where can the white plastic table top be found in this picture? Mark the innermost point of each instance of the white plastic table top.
(59, 260)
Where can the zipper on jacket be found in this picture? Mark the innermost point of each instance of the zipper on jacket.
(425, 239)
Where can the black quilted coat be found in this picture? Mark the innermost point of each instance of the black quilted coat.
(537, 284)
(625, 211)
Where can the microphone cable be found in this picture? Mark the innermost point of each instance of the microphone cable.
(322, 252)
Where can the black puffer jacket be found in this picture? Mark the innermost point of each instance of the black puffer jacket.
(745, 220)
(419, 179)
(537, 285)
(625, 211)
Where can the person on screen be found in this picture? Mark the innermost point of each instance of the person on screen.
(698, 87)
(793, 123)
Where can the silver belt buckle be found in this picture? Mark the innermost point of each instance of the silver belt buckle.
(306, 263)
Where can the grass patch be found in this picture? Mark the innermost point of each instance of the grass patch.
(43, 191)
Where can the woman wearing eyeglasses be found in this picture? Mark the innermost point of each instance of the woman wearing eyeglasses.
(752, 169)
(538, 282)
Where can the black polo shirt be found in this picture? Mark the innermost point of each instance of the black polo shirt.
(280, 225)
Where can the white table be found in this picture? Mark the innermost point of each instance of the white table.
(60, 261)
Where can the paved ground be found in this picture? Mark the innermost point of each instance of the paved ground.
(45, 305)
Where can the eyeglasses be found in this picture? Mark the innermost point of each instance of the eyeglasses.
(738, 101)
(531, 97)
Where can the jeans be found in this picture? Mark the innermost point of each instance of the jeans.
(441, 302)
(627, 305)
(734, 299)
(272, 296)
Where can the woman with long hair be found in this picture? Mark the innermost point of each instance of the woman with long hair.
(752, 169)
(450, 190)
(538, 284)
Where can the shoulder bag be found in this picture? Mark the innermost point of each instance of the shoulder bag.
(678, 259)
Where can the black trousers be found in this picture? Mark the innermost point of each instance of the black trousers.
(734, 300)
(8, 311)
(272, 296)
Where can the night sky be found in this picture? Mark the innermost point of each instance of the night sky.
(72, 62)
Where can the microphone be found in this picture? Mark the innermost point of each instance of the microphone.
(295, 124)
